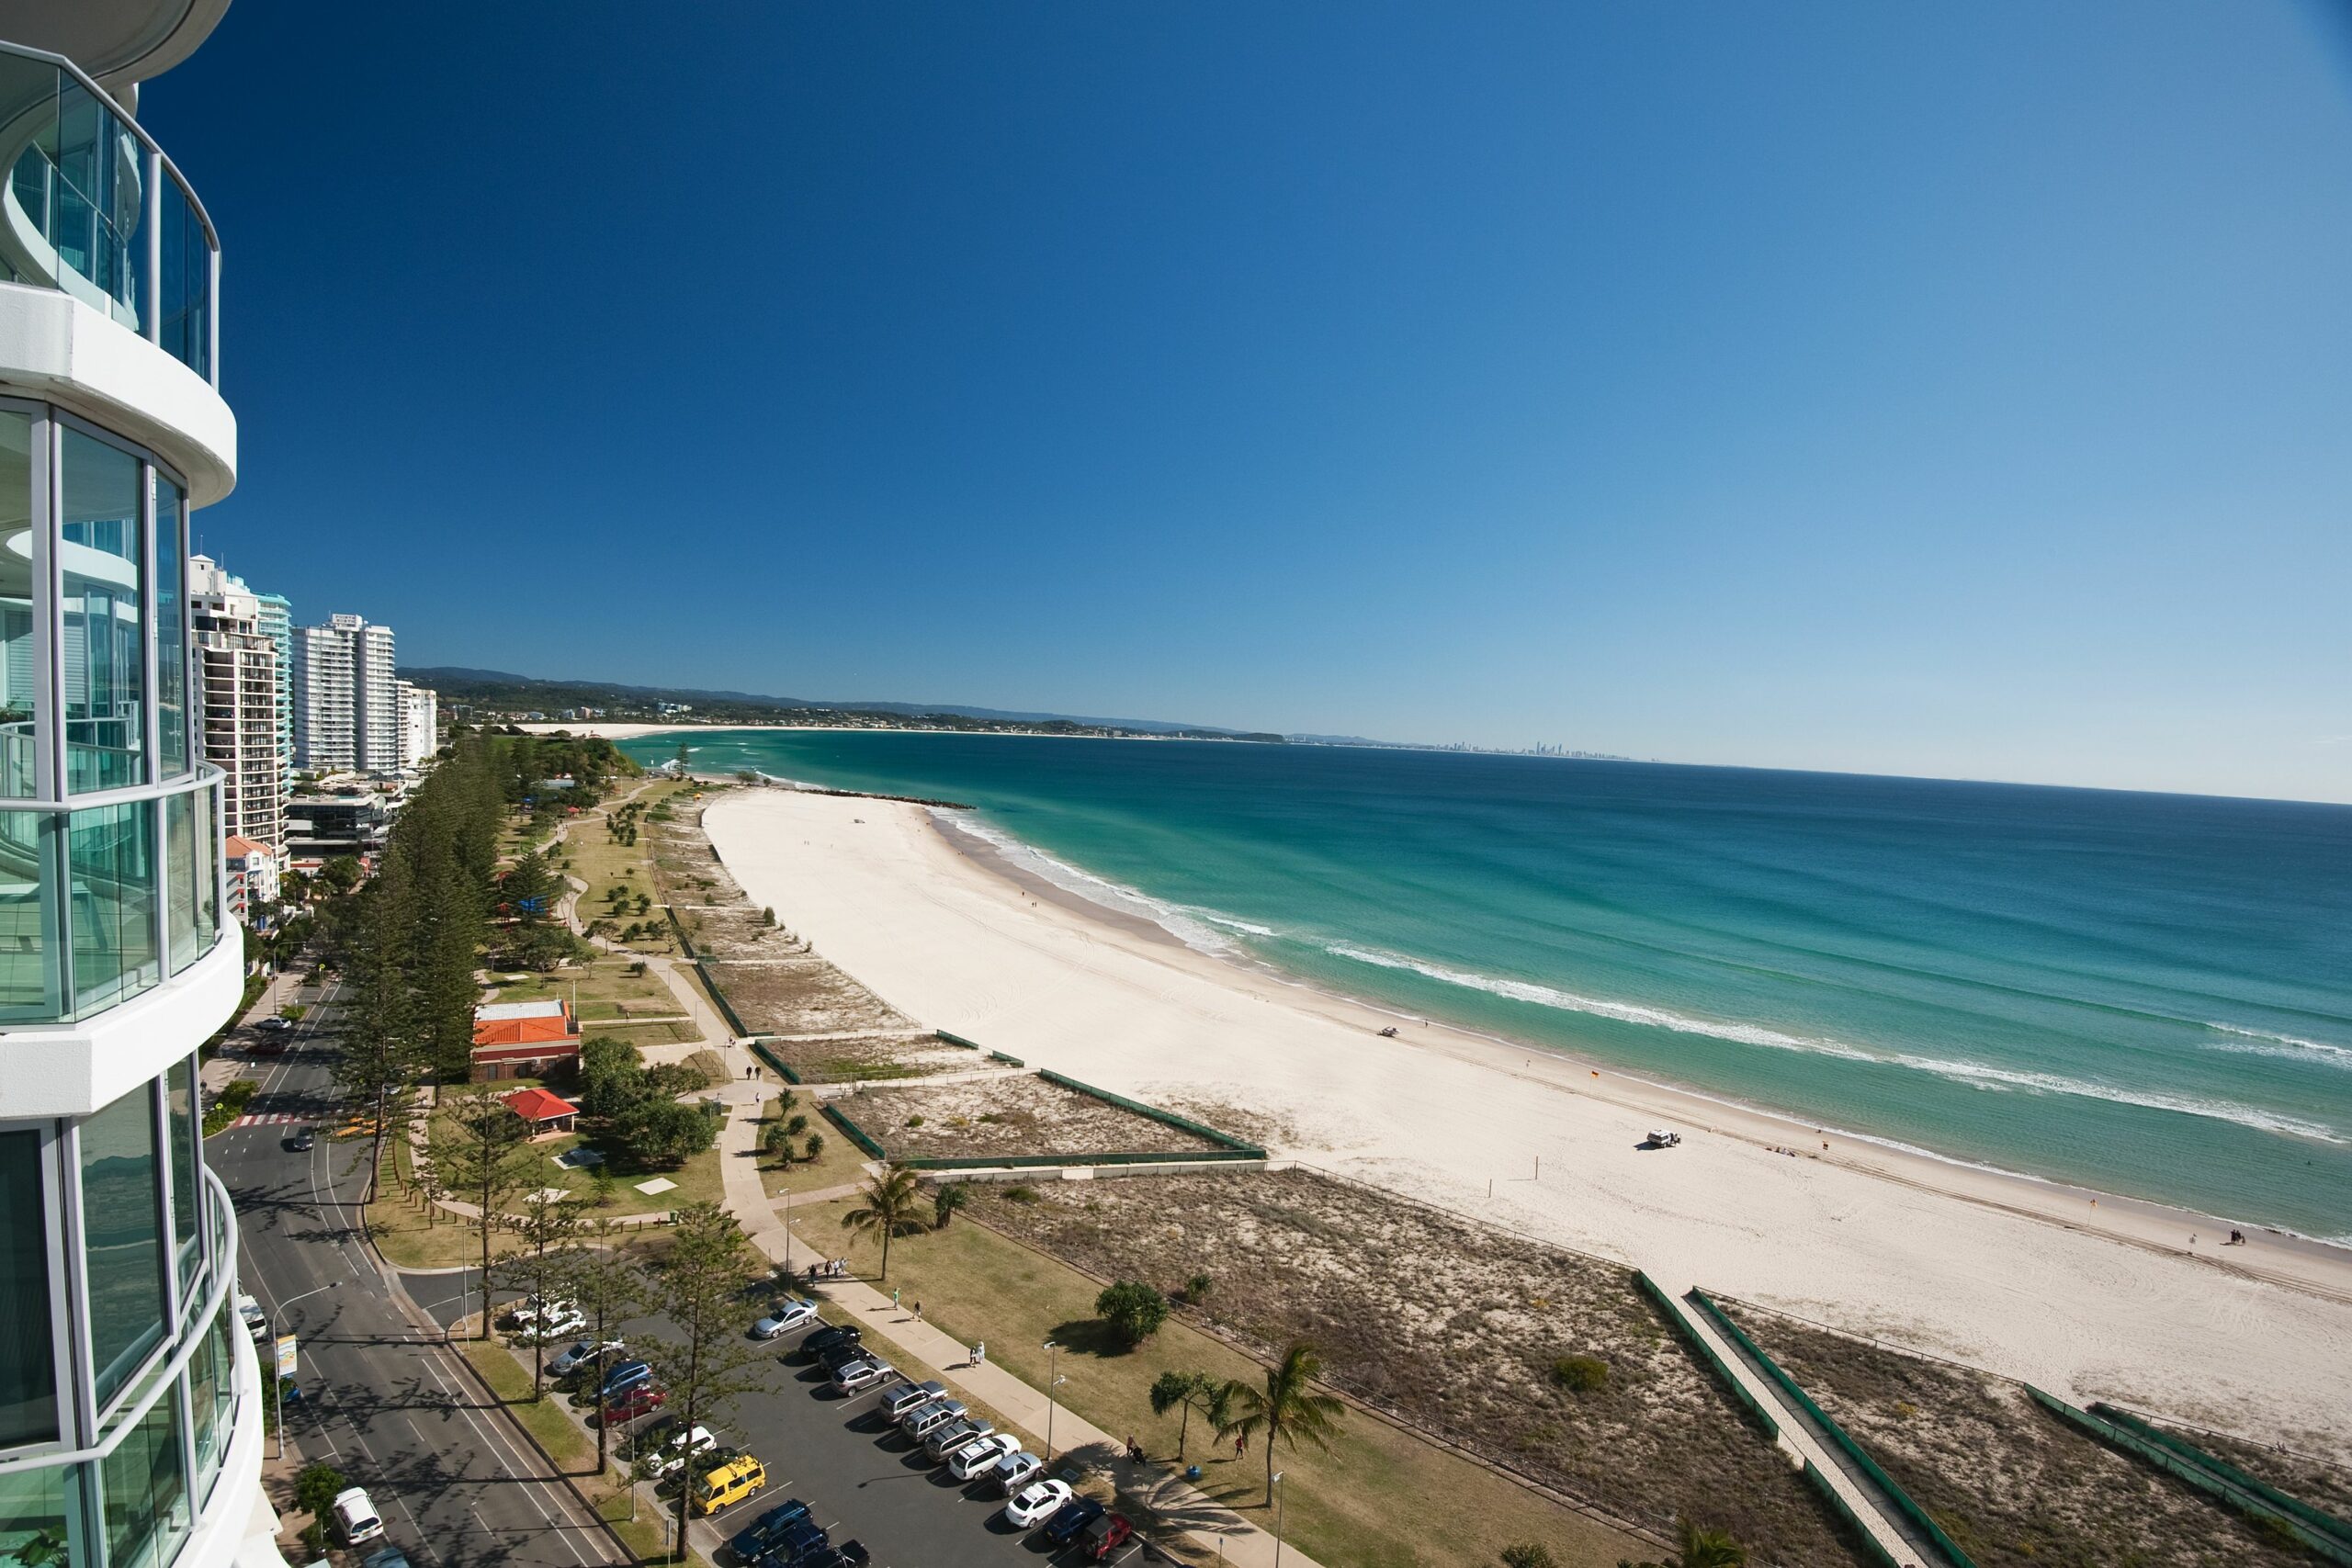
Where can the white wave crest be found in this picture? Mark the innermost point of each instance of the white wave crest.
(2291, 1048)
(1194, 928)
(1752, 1034)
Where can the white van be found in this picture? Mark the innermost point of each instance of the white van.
(355, 1519)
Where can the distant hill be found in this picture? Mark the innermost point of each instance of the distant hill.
(503, 694)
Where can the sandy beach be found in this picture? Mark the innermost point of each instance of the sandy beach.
(2087, 1295)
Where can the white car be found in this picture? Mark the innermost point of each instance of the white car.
(793, 1312)
(256, 1322)
(582, 1353)
(355, 1519)
(977, 1459)
(1036, 1503)
(550, 1322)
(864, 1373)
(1015, 1470)
(671, 1454)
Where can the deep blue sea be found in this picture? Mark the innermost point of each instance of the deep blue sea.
(2149, 994)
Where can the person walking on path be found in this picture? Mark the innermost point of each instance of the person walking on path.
(980, 1354)
(894, 1298)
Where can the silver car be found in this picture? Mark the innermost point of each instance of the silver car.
(922, 1421)
(943, 1440)
(864, 1373)
(1016, 1471)
(898, 1402)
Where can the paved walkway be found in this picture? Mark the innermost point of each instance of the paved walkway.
(1160, 1490)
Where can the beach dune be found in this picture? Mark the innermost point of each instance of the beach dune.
(2102, 1300)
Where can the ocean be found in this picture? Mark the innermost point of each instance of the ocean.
(2147, 994)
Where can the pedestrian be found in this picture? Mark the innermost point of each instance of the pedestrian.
(980, 1354)
(918, 1309)
(894, 1298)
(1241, 1444)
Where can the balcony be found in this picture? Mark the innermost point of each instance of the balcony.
(94, 210)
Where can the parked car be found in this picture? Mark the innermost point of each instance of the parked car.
(355, 1519)
(1015, 1471)
(549, 1324)
(832, 1333)
(635, 1402)
(385, 1557)
(671, 1456)
(756, 1537)
(922, 1423)
(1036, 1503)
(973, 1460)
(304, 1140)
(900, 1401)
(1072, 1517)
(793, 1312)
(840, 1355)
(276, 1025)
(848, 1554)
(623, 1376)
(863, 1373)
(723, 1486)
(1100, 1539)
(256, 1321)
(795, 1544)
(581, 1353)
(949, 1436)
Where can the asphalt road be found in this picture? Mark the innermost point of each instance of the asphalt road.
(861, 1479)
(388, 1404)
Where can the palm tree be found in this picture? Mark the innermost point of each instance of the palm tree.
(889, 1208)
(1190, 1392)
(1700, 1547)
(1287, 1409)
(949, 1198)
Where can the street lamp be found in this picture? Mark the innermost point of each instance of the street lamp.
(1278, 1519)
(1053, 1358)
(278, 1384)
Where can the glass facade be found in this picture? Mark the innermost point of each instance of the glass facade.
(122, 1231)
(28, 1347)
(102, 550)
(181, 1115)
(76, 210)
(144, 1483)
(171, 630)
(21, 696)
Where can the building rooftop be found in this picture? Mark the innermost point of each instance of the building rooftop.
(491, 1011)
(537, 1105)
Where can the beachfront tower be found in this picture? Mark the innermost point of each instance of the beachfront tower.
(130, 1411)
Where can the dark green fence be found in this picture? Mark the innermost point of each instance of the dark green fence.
(766, 1053)
(1706, 1354)
(1853, 1450)
(1166, 1118)
(2321, 1542)
(1228, 1149)
(856, 1134)
(1838, 1505)
(1008, 1061)
(956, 1040)
(2318, 1519)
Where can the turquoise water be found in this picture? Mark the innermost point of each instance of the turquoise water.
(2148, 993)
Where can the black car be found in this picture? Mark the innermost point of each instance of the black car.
(833, 1358)
(304, 1140)
(767, 1529)
(833, 1334)
(1072, 1517)
(848, 1554)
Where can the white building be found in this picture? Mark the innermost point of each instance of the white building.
(237, 685)
(130, 1409)
(346, 703)
(420, 724)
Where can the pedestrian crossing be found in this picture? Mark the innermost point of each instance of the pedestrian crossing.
(268, 1119)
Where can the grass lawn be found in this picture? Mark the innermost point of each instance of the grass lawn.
(1380, 1498)
(602, 987)
(838, 1162)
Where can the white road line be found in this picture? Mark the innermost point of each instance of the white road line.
(508, 1451)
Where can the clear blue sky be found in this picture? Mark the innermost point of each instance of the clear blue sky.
(1957, 390)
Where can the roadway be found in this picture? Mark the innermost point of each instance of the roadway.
(383, 1400)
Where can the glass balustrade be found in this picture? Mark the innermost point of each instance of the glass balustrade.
(92, 208)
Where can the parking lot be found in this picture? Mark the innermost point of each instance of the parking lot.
(861, 1478)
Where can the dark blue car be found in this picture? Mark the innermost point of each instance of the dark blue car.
(798, 1542)
(763, 1532)
(1072, 1517)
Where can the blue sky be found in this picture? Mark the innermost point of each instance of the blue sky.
(1954, 391)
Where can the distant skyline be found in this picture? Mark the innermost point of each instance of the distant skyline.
(1848, 388)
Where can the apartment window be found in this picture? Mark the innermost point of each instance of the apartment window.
(171, 632)
(33, 1512)
(28, 1352)
(180, 1116)
(20, 681)
(180, 855)
(112, 884)
(144, 1482)
(104, 657)
(212, 1395)
(122, 1231)
(30, 977)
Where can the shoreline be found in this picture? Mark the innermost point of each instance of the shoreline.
(2016, 1274)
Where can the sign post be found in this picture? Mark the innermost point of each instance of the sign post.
(284, 1364)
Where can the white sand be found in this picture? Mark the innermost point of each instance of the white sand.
(2023, 1278)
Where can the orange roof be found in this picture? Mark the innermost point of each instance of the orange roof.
(237, 847)
(537, 1104)
(523, 1032)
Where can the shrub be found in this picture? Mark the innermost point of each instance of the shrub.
(1196, 1288)
(316, 1488)
(914, 1120)
(1529, 1554)
(663, 1132)
(1580, 1374)
(1132, 1310)
(814, 1146)
(1019, 1194)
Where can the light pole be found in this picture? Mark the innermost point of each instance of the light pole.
(276, 1382)
(1278, 1518)
(1053, 1358)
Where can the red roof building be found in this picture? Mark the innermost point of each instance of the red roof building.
(524, 1040)
(547, 1113)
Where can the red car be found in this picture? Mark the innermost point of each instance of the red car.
(1105, 1536)
(643, 1399)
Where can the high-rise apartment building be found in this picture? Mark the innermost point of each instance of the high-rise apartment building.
(277, 625)
(130, 1409)
(420, 724)
(346, 701)
(236, 675)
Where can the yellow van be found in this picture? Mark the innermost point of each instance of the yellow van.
(729, 1483)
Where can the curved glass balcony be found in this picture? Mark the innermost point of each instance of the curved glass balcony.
(92, 208)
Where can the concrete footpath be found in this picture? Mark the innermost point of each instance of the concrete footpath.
(1164, 1493)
